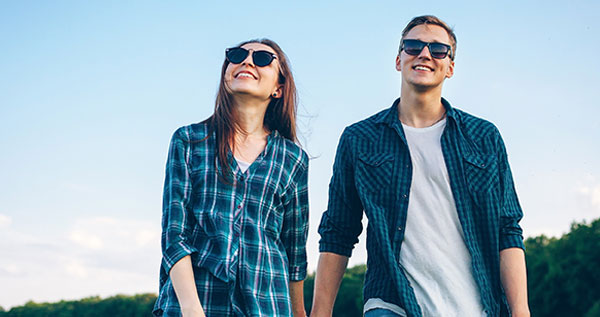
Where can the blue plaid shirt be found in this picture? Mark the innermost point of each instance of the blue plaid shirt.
(373, 172)
(250, 236)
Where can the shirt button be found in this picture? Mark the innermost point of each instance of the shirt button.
(399, 228)
(239, 206)
(404, 196)
(407, 166)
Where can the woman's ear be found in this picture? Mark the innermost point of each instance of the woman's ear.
(278, 92)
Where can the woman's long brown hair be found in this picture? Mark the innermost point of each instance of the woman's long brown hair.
(280, 115)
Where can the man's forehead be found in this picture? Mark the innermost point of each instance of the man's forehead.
(428, 33)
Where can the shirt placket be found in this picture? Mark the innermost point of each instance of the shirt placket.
(241, 186)
(405, 169)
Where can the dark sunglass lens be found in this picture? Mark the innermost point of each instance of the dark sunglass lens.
(438, 50)
(262, 58)
(237, 55)
(413, 47)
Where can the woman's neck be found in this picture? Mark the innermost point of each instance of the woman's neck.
(250, 120)
(250, 136)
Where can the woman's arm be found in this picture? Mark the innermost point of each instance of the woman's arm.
(297, 298)
(177, 224)
(294, 234)
(182, 277)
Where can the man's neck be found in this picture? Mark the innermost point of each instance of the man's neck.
(421, 109)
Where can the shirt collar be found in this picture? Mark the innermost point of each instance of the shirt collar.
(390, 117)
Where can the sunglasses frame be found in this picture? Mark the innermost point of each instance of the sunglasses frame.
(272, 55)
(428, 45)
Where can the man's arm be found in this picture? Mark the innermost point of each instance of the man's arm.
(297, 298)
(339, 229)
(330, 271)
(513, 275)
(182, 276)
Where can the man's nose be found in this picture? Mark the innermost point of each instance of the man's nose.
(425, 53)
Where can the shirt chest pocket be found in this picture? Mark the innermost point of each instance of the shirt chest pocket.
(272, 211)
(481, 172)
(374, 171)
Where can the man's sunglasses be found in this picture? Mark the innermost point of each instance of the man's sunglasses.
(437, 50)
(236, 55)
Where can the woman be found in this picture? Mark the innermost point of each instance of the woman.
(235, 206)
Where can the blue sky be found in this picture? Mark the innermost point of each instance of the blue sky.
(91, 92)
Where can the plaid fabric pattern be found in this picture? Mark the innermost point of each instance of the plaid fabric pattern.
(246, 239)
(372, 174)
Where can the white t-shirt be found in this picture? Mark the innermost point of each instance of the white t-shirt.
(434, 256)
(243, 165)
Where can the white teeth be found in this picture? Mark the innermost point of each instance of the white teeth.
(422, 68)
(245, 75)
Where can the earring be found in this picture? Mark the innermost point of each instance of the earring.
(274, 94)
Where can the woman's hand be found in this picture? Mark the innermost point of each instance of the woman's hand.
(193, 311)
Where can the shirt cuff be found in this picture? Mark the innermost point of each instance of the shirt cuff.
(335, 248)
(298, 273)
(174, 253)
(512, 241)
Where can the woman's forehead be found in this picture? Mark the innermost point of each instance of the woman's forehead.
(259, 47)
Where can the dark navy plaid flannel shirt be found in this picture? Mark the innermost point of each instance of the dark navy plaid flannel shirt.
(250, 236)
(372, 173)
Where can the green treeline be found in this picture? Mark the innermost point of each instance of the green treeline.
(563, 277)
(119, 305)
(564, 273)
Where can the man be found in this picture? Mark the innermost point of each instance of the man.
(443, 237)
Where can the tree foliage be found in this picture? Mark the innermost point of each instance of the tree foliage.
(564, 274)
(119, 305)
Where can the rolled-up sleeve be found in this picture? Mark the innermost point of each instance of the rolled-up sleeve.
(295, 223)
(511, 234)
(177, 221)
(341, 223)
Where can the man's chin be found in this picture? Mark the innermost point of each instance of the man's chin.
(425, 86)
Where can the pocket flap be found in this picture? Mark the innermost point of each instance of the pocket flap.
(375, 159)
(479, 160)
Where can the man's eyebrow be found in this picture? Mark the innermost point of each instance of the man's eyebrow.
(435, 41)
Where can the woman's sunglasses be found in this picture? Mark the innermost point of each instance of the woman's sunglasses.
(236, 55)
(437, 50)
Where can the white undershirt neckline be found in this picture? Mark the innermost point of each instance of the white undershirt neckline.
(243, 165)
